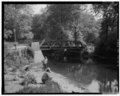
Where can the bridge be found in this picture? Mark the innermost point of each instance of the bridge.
(61, 49)
(47, 45)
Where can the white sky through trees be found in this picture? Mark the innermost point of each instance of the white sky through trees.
(37, 9)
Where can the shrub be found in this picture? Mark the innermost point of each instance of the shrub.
(28, 53)
(29, 79)
(12, 58)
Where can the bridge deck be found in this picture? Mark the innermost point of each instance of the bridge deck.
(50, 48)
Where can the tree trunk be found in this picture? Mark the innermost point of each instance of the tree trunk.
(15, 37)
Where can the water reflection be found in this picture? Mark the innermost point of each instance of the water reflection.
(94, 77)
(84, 73)
(109, 86)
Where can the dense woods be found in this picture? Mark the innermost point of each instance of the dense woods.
(63, 22)
(108, 43)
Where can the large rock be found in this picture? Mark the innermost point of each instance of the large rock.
(94, 87)
(10, 69)
(38, 75)
(29, 79)
(65, 84)
(9, 77)
(13, 87)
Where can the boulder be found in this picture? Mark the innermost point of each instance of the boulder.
(94, 87)
(29, 79)
(10, 69)
(13, 87)
(45, 78)
(9, 77)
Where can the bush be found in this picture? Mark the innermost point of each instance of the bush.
(29, 79)
(28, 53)
(12, 58)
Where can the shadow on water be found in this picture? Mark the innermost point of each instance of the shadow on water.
(89, 74)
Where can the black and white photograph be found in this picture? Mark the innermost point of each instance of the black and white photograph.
(60, 47)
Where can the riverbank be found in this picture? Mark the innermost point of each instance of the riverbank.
(14, 80)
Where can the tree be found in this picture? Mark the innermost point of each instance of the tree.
(53, 21)
(24, 26)
(66, 22)
(70, 17)
(107, 46)
(84, 26)
(39, 26)
(59, 16)
(14, 15)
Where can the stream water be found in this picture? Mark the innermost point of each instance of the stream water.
(89, 74)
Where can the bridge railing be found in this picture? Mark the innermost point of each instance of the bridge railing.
(51, 44)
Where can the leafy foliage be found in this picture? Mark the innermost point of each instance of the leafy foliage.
(13, 58)
(17, 21)
(66, 22)
(107, 45)
(29, 79)
(39, 26)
